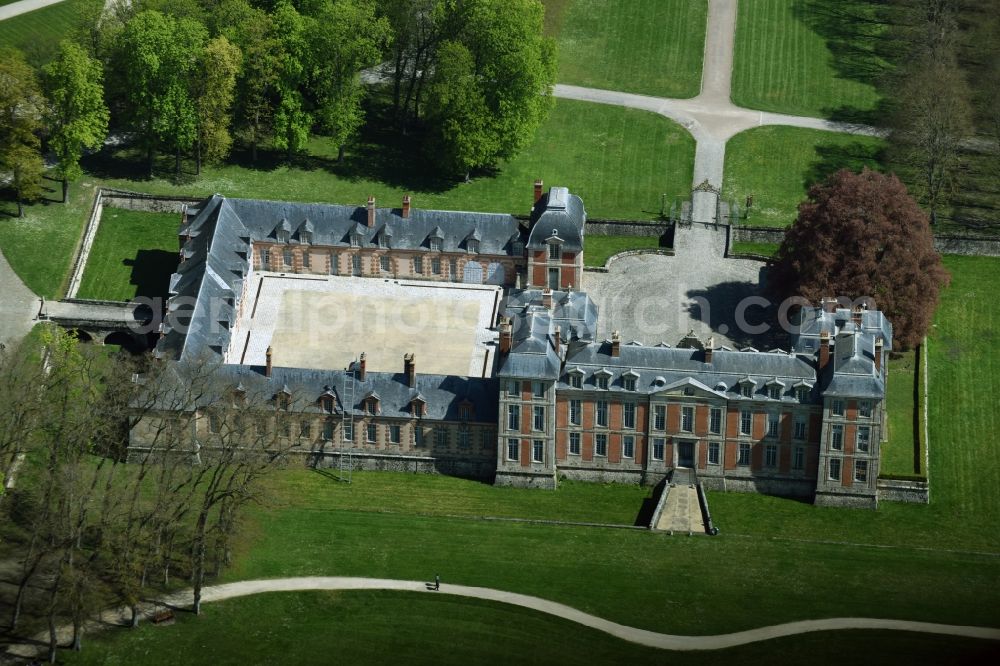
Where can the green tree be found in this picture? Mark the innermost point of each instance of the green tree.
(214, 94)
(77, 115)
(345, 37)
(21, 107)
(292, 121)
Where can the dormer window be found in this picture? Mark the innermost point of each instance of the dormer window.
(517, 248)
(283, 400)
(774, 392)
(473, 246)
(326, 403)
(306, 237)
(355, 240)
(465, 412)
(601, 379)
(747, 389)
(576, 378)
(628, 383)
(418, 407)
(436, 244)
(283, 231)
(372, 406)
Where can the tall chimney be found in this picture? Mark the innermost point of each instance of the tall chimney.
(371, 210)
(708, 350)
(547, 298)
(557, 340)
(506, 336)
(879, 344)
(616, 344)
(361, 367)
(824, 349)
(538, 189)
(829, 304)
(406, 206)
(269, 366)
(410, 369)
(856, 316)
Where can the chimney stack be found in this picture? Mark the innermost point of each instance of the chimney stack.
(406, 206)
(371, 210)
(829, 304)
(410, 370)
(616, 344)
(547, 298)
(361, 367)
(269, 366)
(824, 349)
(856, 316)
(557, 340)
(879, 344)
(538, 189)
(708, 350)
(506, 336)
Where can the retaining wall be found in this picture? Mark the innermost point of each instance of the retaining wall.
(943, 243)
(627, 228)
(898, 490)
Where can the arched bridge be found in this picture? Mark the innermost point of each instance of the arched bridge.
(103, 322)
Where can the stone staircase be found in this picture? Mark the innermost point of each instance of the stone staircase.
(681, 511)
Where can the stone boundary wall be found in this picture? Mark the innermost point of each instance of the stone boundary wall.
(659, 507)
(627, 228)
(628, 476)
(896, 490)
(779, 487)
(665, 251)
(943, 243)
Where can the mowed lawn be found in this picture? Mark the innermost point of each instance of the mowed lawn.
(777, 165)
(602, 248)
(899, 454)
(133, 254)
(407, 628)
(37, 33)
(621, 162)
(651, 47)
(805, 57)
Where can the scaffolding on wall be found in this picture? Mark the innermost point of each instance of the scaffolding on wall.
(345, 464)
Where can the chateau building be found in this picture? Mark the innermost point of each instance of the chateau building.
(549, 400)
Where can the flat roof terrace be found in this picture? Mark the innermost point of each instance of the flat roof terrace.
(325, 322)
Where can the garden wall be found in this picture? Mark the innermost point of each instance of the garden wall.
(944, 243)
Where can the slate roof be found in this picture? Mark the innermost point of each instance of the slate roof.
(573, 312)
(813, 321)
(532, 353)
(660, 367)
(852, 372)
(561, 214)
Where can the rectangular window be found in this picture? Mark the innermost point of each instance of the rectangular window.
(837, 408)
(356, 264)
(285, 427)
(514, 388)
(628, 446)
(436, 266)
(659, 445)
(371, 432)
(384, 264)
(334, 264)
(305, 429)
(436, 244)
(418, 437)
(538, 389)
(576, 381)
(800, 428)
(803, 394)
(747, 390)
(628, 383)
(574, 443)
(328, 430)
(602, 382)
(600, 445)
(864, 438)
(418, 265)
(453, 270)
(687, 419)
(834, 469)
(513, 417)
(214, 423)
(771, 455)
(628, 414)
(861, 471)
(441, 438)
(837, 437)
(538, 451)
(602, 413)
(286, 257)
(865, 409)
(305, 260)
(355, 240)
(744, 454)
(746, 421)
(713, 453)
(715, 421)
(394, 434)
(659, 417)
(799, 459)
(489, 439)
(774, 392)
(348, 431)
(772, 425)
(265, 258)
(464, 440)
(575, 408)
(538, 420)
(513, 447)
(555, 251)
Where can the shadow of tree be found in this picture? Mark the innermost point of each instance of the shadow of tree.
(740, 311)
(151, 271)
(831, 157)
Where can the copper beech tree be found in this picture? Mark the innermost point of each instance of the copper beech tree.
(861, 235)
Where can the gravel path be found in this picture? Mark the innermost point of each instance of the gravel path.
(631, 634)
(18, 305)
(23, 7)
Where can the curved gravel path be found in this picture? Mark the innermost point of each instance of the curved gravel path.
(631, 634)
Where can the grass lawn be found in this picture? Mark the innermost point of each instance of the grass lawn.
(762, 249)
(899, 454)
(601, 248)
(777, 165)
(807, 58)
(407, 628)
(619, 160)
(651, 47)
(37, 33)
(133, 254)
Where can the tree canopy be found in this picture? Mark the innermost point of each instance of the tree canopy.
(21, 108)
(861, 235)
